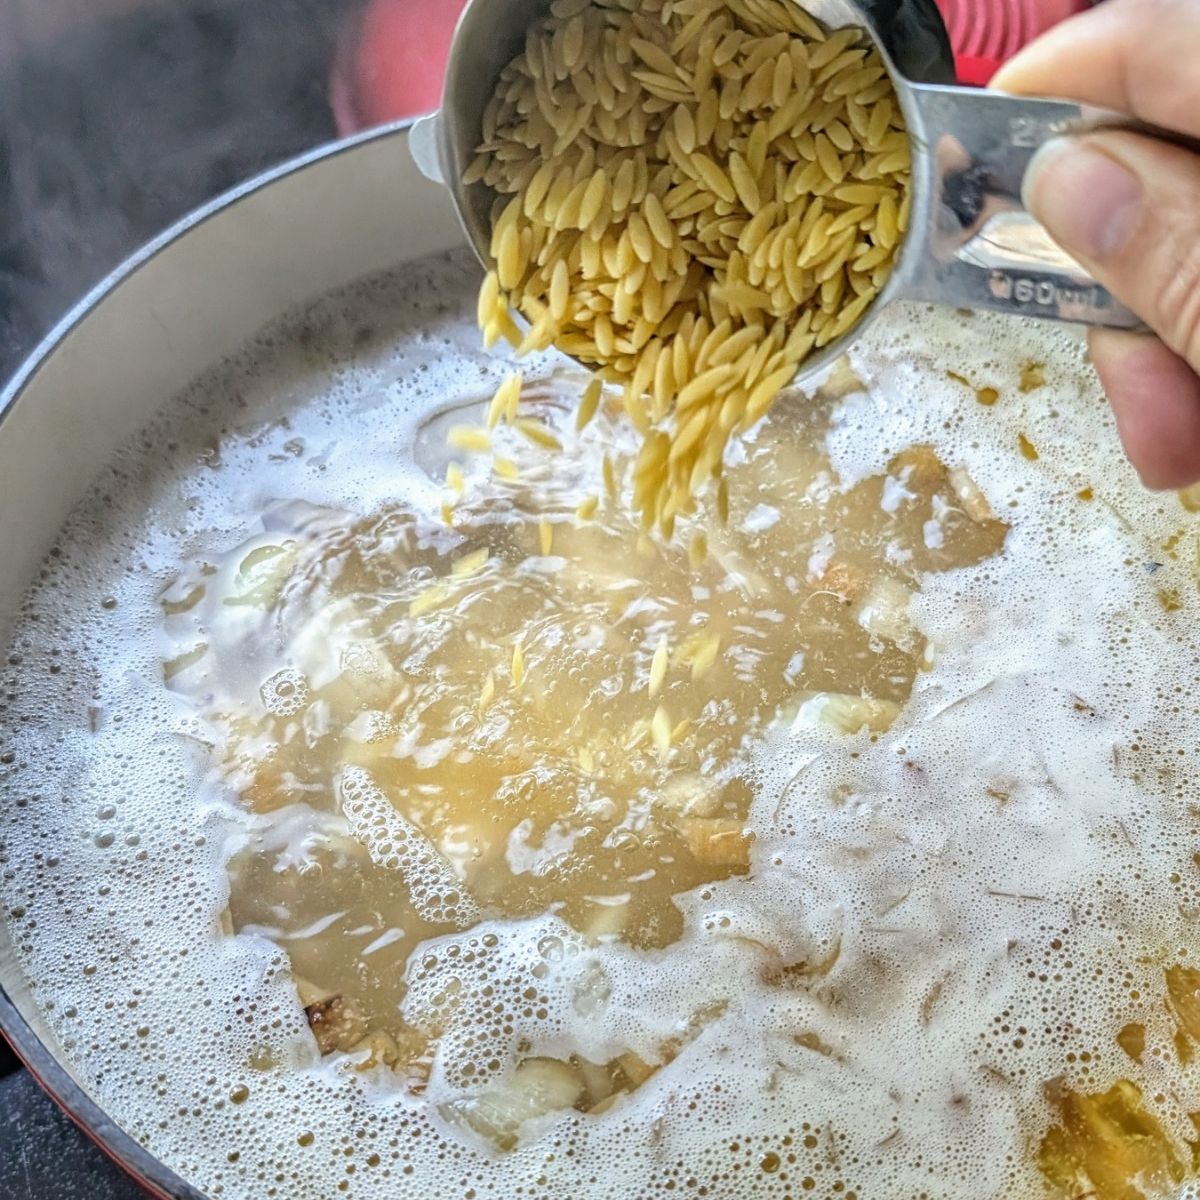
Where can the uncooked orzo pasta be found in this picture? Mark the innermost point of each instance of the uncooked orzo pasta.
(690, 195)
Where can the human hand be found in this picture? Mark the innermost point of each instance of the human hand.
(1128, 208)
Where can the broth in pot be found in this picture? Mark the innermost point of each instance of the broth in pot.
(420, 825)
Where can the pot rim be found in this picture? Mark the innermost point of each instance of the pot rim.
(39, 1058)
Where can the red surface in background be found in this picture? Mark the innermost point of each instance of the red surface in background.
(391, 61)
(986, 33)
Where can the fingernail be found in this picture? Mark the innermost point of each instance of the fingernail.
(1088, 202)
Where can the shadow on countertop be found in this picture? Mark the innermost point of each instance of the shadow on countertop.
(45, 1157)
(109, 136)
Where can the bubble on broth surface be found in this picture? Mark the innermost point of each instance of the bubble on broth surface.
(963, 940)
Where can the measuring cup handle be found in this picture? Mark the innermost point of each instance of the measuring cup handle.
(971, 242)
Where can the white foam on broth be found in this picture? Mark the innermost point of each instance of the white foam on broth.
(987, 945)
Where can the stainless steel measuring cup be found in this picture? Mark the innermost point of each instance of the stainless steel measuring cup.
(970, 242)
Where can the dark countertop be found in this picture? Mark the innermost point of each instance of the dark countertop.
(44, 1157)
(109, 136)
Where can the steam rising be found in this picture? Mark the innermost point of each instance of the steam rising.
(117, 117)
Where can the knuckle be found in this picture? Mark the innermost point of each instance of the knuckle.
(1149, 14)
(1176, 290)
(1158, 80)
(1157, 10)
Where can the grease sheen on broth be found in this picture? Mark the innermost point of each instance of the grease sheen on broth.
(539, 947)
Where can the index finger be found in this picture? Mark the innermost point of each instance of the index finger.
(1135, 56)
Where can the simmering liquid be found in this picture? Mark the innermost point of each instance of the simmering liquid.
(388, 819)
(526, 712)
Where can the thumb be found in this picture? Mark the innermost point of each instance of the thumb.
(1128, 208)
